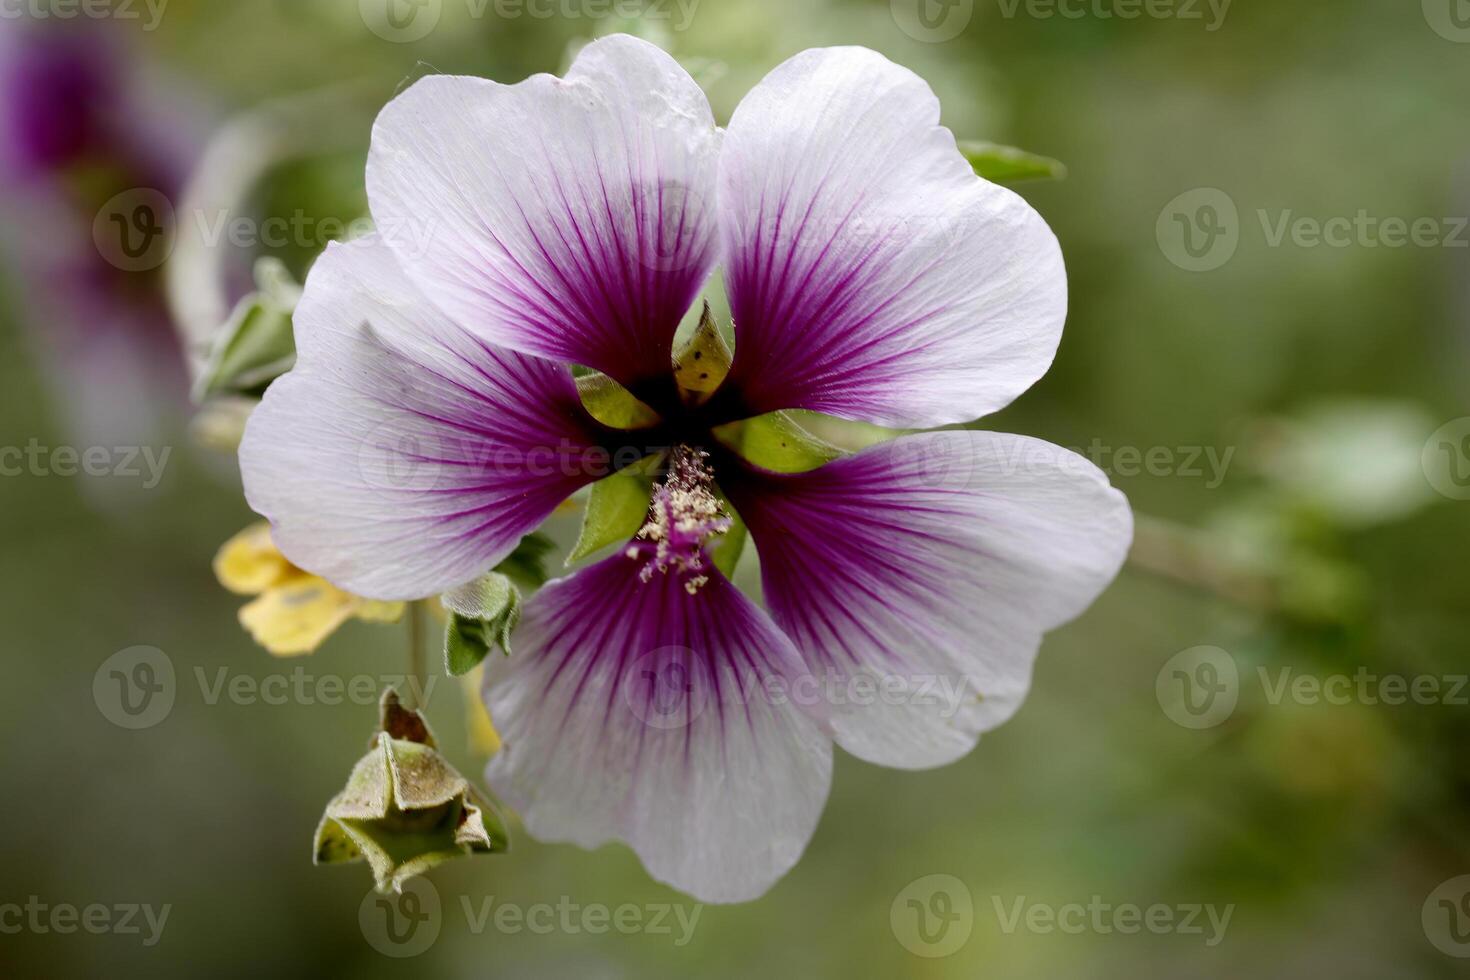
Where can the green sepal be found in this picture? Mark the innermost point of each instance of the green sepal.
(777, 442)
(702, 362)
(482, 615)
(617, 507)
(725, 550)
(611, 404)
(255, 346)
(405, 809)
(1006, 164)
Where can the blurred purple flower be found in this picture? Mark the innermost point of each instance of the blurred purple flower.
(85, 130)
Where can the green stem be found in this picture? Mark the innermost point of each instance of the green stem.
(1193, 558)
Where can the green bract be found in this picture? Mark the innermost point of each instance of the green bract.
(526, 565)
(481, 615)
(256, 345)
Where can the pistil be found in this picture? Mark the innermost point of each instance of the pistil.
(683, 516)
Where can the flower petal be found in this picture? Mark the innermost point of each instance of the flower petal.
(639, 712)
(403, 456)
(297, 616)
(571, 218)
(376, 611)
(249, 563)
(918, 576)
(871, 274)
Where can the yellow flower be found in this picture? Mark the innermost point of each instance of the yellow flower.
(295, 611)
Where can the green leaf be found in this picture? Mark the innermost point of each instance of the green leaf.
(777, 442)
(616, 509)
(255, 345)
(612, 404)
(1006, 164)
(526, 566)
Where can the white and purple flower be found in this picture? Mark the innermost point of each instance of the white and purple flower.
(871, 275)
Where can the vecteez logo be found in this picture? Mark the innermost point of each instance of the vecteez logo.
(1198, 687)
(135, 688)
(135, 230)
(402, 924)
(401, 21)
(1446, 459)
(1199, 230)
(932, 21)
(1450, 19)
(1446, 917)
(933, 916)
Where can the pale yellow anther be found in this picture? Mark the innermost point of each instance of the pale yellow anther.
(684, 516)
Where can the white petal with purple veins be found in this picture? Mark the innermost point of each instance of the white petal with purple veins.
(918, 576)
(571, 218)
(403, 456)
(871, 274)
(637, 711)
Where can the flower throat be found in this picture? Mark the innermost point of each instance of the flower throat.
(683, 516)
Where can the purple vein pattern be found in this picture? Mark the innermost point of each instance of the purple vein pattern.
(433, 420)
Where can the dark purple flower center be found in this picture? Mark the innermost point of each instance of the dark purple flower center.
(687, 510)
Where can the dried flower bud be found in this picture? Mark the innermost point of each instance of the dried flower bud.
(405, 809)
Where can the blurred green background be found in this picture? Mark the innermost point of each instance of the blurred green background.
(1314, 374)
